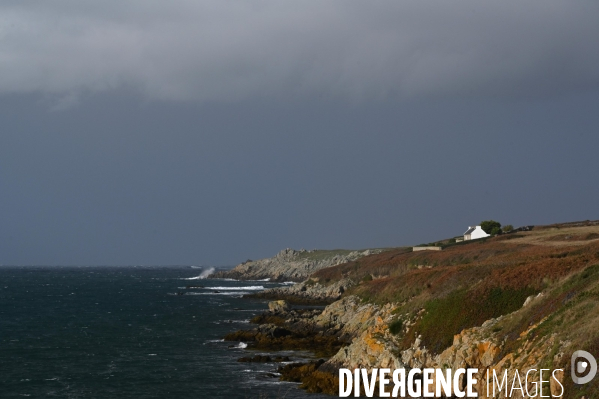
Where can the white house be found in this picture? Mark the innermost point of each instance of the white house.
(474, 233)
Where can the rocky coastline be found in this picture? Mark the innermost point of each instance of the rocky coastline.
(351, 334)
(507, 304)
(292, 265)
(323, 332)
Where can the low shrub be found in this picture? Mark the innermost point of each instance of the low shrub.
(395, 326)
(446, 317)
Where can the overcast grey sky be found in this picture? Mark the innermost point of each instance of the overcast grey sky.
(208, 132)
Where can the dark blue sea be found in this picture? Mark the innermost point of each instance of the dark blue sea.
(124, 332)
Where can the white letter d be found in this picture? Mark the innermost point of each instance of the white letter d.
(345, 388)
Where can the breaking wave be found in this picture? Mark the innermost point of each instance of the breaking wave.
(202, 275)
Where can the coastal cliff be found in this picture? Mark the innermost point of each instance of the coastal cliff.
(292, 265)
(521, 301)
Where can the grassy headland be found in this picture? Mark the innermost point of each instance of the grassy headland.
(525, 300)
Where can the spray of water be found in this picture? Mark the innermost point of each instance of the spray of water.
(202, 275)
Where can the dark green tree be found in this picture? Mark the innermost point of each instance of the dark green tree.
(491, 227)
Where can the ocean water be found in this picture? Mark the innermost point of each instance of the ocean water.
(123, 332)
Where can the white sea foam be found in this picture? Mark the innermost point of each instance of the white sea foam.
(213, 341)
(196, 267)
(241, 345)
(289, 283)
(250, 287)
(202, 275)
(265, 279)
(219, 293)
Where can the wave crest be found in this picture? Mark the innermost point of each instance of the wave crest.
(202, 275)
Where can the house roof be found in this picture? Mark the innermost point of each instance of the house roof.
(470, 230)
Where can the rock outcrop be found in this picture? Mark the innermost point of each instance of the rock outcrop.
(310, 291)
(278, 306)
(292, 265)
(294, 330)
(325, 332)
(480, 347)
(354, 334)
(334, 326)
(359, 333)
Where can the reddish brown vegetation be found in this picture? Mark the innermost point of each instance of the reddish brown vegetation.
(399, 275)
(464, 285)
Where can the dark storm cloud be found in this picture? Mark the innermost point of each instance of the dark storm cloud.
(113, 182)
(355, 50)
(216, 131)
